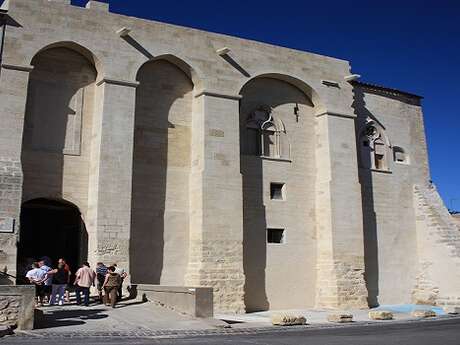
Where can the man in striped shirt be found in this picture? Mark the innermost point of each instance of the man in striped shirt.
(101, 272)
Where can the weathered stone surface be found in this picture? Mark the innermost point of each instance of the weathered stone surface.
(340, 317)
(9, 310)
(380, 315)
(423, 313)
(288, 320)
(17, 305)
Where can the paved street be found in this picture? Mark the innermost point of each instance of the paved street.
(443, 332)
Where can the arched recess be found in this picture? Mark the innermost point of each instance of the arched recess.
(294, 81)
(58, 123)
(283, 106)
(57, 126)
(374, 147)
(92, 58)
(52, 228)
(161, 170)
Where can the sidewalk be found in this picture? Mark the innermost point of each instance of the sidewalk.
(129, 315)
(319, 316)
(144, 319)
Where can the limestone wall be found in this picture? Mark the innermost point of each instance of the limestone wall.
(388, 214)
(272, 270)
(213, 252)
(10, 194)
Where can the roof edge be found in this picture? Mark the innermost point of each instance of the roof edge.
(385, 89)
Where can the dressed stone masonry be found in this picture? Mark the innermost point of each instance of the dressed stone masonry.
(198, 159)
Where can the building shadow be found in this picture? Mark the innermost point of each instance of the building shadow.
(254, 235)
(136, 45)
(371, 255)
(65, 317)
(162, 84)
(236, 65)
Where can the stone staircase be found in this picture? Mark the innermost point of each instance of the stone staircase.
(440, 220)
(438, 239)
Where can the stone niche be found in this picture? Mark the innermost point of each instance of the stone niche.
(17, 306)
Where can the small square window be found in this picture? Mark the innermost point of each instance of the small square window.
(277, 191)
(275, 236)
(400, 155)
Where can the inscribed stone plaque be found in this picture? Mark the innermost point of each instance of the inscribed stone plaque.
(7, 224)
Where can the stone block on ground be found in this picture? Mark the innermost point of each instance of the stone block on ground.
(288, 320)
(380, 315)
(452, 309)
(423, 313)
(340, 317)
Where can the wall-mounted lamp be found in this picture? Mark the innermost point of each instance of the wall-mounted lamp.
(296, 111)
(123, 32)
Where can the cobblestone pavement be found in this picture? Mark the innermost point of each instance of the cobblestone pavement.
(442, 331)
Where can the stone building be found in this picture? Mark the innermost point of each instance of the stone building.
(198, 159)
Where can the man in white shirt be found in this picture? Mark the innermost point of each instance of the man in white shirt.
(49, 279)
(37, 277)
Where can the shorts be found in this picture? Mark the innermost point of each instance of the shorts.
(39, 290)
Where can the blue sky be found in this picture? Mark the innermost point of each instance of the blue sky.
(412, 45)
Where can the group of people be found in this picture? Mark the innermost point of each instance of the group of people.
(53, 285)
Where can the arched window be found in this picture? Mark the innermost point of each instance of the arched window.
(266, 136)
(374, 147)
(400, 155)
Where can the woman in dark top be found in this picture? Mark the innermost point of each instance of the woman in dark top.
(111, 283)
(59, 283)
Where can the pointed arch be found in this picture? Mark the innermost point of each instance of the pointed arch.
(374, 146)
(267, 136)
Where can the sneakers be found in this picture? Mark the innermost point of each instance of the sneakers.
(61, 303)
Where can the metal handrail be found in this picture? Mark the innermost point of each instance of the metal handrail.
(8, 275)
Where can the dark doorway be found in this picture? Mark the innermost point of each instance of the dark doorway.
(52, 228)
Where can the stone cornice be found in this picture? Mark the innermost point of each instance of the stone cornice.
(119, 82)
(218, 95)
(21, 68)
